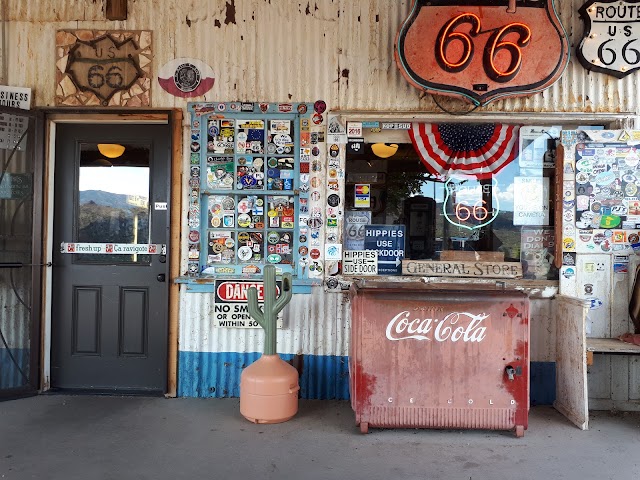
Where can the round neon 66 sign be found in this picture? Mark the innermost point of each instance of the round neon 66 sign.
(465, 205)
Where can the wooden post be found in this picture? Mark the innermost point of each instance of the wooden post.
(174, 252)
(116, 10)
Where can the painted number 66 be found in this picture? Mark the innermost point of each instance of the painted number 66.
(494, 45)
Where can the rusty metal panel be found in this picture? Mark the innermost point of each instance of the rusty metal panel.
(421, 358)
(340, 51)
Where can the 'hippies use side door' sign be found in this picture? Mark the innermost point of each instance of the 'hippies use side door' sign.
(611, 40)
(482, 50)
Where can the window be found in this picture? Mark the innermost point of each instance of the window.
(249, 186)
(510, 212)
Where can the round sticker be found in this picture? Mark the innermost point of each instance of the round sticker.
(228, 203)
(631, 189)
(258, 162)
(217, 247)
(304, 188)
(244, 220)
(315, 195)
(317, 118)
(271, 149)
(634, 238)
(315, 253)
(582, 177)
(303, 238)
(273, 238)
(320, 106)
(245, 253)
(334, 150)
(215, 222)
(229, 243)
(243, 237)
(315, 151)
(274, 258)
(315, 182)
(303, 250)
(595, 207)
(194, 236)
(272, 162)
(333, 200)
(302, 108)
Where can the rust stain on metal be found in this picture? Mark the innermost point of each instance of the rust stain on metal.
(363, 386)
(230, 13)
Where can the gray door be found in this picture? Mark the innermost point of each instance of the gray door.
(109, 311)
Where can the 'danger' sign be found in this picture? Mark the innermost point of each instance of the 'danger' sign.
(482, 50)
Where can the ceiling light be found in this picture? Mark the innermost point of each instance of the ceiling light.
(383, 150)
(110, 150)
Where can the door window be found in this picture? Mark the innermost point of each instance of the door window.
(113, 199)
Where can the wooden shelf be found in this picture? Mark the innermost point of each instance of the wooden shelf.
(611, 345)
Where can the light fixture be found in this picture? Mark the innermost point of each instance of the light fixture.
(110, 150)
(383, 150)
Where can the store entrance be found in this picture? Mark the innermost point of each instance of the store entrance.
(109, 293)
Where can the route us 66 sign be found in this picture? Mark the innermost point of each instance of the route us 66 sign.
(610, 43)
(104, 65)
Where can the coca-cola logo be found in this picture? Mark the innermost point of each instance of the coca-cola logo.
(454, 327)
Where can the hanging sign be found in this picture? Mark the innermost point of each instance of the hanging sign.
(114, 248)
(481, 51)
(611, 39)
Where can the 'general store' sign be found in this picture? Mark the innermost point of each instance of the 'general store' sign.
(482, 50)
(428, 268)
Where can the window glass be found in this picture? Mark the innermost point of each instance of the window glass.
(113, 200)
(511, 212)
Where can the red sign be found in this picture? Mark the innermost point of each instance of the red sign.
(482, 50)
(236, 290)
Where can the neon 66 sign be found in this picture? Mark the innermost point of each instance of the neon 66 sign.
(482, 50)
(466, 205)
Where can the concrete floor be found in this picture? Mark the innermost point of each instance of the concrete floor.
(92, 437)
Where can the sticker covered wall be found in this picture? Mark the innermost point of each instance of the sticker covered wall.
(255, 191)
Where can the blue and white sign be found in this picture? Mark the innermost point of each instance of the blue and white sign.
(388, 242)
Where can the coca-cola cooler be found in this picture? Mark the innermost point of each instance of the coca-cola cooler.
(426, 357)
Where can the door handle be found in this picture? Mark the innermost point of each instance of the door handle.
(161, 277)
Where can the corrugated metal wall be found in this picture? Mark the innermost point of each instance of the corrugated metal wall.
(337, 50)
(276, 50)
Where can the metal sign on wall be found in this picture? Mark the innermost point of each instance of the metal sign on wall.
(611, 40)
(482, 50)
(109, 69)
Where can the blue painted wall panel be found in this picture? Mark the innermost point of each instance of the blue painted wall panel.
(217, 374)
(542, 383)
(323, 377)
(10, 376)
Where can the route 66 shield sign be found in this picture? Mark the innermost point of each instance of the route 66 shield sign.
(482, 50)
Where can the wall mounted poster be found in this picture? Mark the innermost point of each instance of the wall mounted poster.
(536, 253)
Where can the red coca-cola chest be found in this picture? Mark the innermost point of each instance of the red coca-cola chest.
(438, 357)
